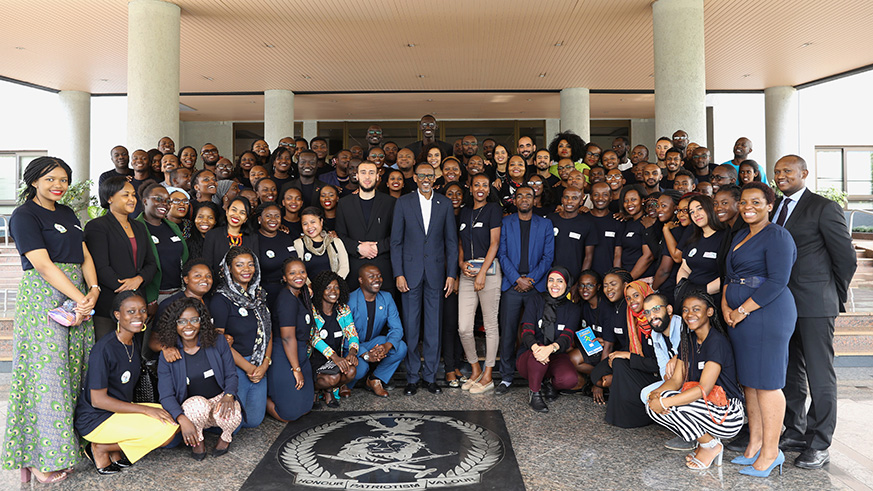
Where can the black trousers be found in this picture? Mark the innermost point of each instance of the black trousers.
(811, 361)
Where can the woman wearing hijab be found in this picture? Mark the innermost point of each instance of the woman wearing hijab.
(636, 366)
(548, 327)
(239, 308)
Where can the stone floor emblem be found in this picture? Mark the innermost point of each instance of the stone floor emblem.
(391, 451)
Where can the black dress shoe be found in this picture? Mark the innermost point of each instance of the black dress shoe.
(537, 403)
(741, 441)
(123, 463)
(433, 388)
(791, 445)
(501, 389)
(410, 389)
(112, 468)
(198, 456)
(549, 392)
(812, 459)
(218, 452)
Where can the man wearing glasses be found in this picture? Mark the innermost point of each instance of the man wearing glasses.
(429, 128)
(209, 155)
(423, 236)
(700, 164)
(722, 175)
(374, 136)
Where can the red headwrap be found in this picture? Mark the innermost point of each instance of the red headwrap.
(637, 324)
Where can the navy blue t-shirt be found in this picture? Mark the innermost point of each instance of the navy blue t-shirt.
(112, 366)
(58, 232)
(609, 231)
(239, 322)
(572, 235)
(170, 248)
(290, 311)
(475, 229)
(702, 258)
(716, 348)
(633, 238)
(272, 254)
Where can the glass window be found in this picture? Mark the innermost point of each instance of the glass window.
(859, 172)
(829, 168)
(8, 187)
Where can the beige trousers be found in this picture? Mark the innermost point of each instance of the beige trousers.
(468, 300)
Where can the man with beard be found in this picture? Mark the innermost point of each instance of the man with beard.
(374, 136)
(373, 310)
(527, 148)
(391, 150)
(543, 163)
(458, 149)
(527, 249)
(666, 336)
(620, 146)
(470, 147)
(722, 175)
(309, 185)
(209, 155)
(575, 234)
(680, 140)
(424, 238)
(640, 153)
(701, 167)
(363, 223)
(405, 164)
(120, 160)
(742, 149)
(352, 185)
(607, 229)
(652, 178)
(672, 164)
(488, 145)
(429, 128)
(339, 177)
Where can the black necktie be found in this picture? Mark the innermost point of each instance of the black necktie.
(783, 213)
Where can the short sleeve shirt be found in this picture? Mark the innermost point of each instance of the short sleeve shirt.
(609, 231)
(112, 366)
(718, 349)
(702, 258)
(239, 322)
(475, 229)
(170, 248)
(58, 232)
(572, 235)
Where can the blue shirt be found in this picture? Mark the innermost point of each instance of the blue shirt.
(661, 350)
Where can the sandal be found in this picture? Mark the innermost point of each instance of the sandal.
(332, 398)
(453, 384)
(51, 477)
(698, 465)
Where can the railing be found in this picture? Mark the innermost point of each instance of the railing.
(5, 228)
(852, 217)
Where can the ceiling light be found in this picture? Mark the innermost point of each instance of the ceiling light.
(104, 79)
(747, 75)
(430, 100)
(208, 78)
(307, 77)
(420, 76)
(268, 45)
(559, 44)
(19, 48)
(410, 45)
(529, 100)
(805, 45)
(542, 75)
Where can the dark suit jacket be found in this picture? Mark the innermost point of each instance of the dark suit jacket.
(825, 257)
(113, 257)
(415, 254)
(540, 252)
(351, 228)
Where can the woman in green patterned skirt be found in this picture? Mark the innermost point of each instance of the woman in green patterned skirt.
(48, 357)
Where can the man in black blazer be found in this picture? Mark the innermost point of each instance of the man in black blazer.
(819, 282)
(424, 251)
(363, 223)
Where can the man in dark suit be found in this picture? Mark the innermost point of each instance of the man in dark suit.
(308, 184)
(819, 282)
(424, 251)
(527, 249)
(380, 351)
(363, 223)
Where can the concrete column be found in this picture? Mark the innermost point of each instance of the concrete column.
(73, 145)
(680, 75)
(781, 124)
(310, 129)
(576, 112)
(152, 73)
(278, 115)
(553, 127)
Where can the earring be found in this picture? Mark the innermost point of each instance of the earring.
(117, 327)
(144, 326)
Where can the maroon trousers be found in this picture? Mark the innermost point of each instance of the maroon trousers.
(559, 368)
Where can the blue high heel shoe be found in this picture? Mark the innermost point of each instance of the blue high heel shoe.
(751, 471)
(743, 460)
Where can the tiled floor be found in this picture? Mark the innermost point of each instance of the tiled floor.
(570, 448)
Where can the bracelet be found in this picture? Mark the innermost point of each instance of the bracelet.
(661, 402)
(297, 369)
(97, 287)
(269, 360)
(741, 310)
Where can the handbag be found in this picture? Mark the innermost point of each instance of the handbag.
(146, 389)
(716, 396)
(477, 265)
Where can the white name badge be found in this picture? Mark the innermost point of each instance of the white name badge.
(322, 334)
(463, 226)
(338, 334)
(175, 238)
(618, 330)
(650, 341)
(208, 373)
(243, 312)
(155, 240)
(700, 365)
(478, 225)
(561, 327)
(291, 249)
(307, 257)
(710, 255)
(574, 235)
(629, 234)
(609, 233)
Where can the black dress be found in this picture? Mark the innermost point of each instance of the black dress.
(629, 377)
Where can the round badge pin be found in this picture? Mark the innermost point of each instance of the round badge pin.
(271, 254)
(243, 312)
(307, 318)
(60, 228)
(307, 256)
(125, 377)
(323, 334)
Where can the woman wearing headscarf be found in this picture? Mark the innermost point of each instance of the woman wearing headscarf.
(549, 323)
(239, 308)
(634, 367)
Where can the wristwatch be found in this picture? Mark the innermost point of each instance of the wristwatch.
(742, 311)
(298, 369)
(97, 287)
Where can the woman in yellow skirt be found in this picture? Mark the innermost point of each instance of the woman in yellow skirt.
(120, 432)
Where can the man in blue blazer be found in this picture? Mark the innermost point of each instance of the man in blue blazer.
(424, 251)
(373, 309)
(527, 248)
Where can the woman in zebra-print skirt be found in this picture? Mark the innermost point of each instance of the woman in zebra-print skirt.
(706, 357)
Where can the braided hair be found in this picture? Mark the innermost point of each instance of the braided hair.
(38, 168)
(688, 338)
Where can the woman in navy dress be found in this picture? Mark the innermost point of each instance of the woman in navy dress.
(290, 390)
(761, 312)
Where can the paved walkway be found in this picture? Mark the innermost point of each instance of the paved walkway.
(569, 448)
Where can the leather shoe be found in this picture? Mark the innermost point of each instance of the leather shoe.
(411, 389)
(791, 445)
(812, 459)
(375, 385)
(549, 392)
(344, 391)
(501, 389)
(537, 403)
(433, 388)
(741, 441)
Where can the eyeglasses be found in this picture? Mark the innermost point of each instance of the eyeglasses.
(224, 166)
(287, 144)
(373, 132)
(159, 200)
(194, 321)
(179, 201)
(680, 137)
(377, 155)
(592, 154)
(588, 286)
(426, 176)
(682, 210)
(428, 125)
(613, 177)
(469, 144)
(535, 183)
(213, 150)
(654, 310)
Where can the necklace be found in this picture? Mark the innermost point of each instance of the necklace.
(235, 240)
(129, 354)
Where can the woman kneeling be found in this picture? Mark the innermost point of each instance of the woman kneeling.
(333, 333)
(710, 405)
(120, 431)
(199, 389)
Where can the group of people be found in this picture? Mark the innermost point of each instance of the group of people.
(677, 292)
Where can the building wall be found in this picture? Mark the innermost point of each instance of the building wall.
(198, 133)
